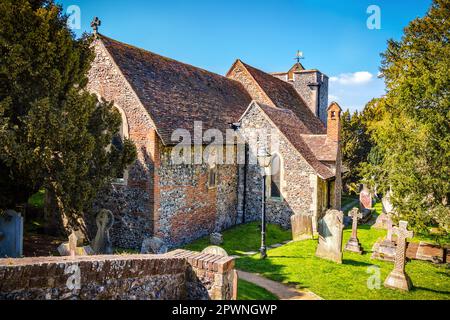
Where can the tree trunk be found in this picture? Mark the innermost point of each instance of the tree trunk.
(54, 224)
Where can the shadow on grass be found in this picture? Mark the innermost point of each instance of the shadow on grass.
(356, 263)
(430, 290)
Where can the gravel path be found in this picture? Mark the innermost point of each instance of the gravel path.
(283, 292)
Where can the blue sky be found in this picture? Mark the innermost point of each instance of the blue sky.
(211, 34)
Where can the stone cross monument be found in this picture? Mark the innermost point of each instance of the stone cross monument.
(386, 248)
(353, 244)
(102, 242)
(398, 279)
(73, 241)
(390, 227)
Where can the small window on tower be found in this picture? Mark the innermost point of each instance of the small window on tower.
(333, 115)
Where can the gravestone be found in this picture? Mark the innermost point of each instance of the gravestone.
(330, 236)
(215, 250)
(398, 279)
(73, 241)
(11, 238)
(80, 237)
(353, 244)
(388, 209)
(73, 249)
(216, 239)
(302, 228)
(153, 245)
(386, 248)
(365, 199)
(102, 242)
(429, 252)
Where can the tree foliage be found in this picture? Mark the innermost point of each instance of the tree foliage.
(356, 146)
(412, 135)
(53, 134)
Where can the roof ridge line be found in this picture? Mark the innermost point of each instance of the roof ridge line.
(165, 57)
(284, 83)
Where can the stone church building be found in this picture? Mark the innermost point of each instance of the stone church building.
(157, 96)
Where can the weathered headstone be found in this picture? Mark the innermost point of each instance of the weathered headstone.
(153, 245)
(429, 252)
(72, 248)
(302, 228)
(215, 250)
(64, 251)
(388, 209)
(353, 244)
(386, 248)
(330, 236)
(80, 238)
(365, 199)
(11, 230)
(398, 279)
(73, 241)
(216, 239)
(102, 242)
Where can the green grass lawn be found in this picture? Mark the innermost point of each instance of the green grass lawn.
(244, 238)
(249, 291)
(296, 264)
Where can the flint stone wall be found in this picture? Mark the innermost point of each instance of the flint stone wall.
(179, 275)
(298, 186)
(188, 207)
(132, 205)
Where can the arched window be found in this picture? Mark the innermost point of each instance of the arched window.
(118, 141)
(212, 176)
(276, 171)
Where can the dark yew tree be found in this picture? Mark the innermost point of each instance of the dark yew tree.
(53, 134)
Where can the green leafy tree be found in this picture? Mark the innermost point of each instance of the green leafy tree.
(353, 148)
(356, 143)
(53, 134)
(413, 133)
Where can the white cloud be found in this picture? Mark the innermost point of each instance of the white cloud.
(356, 78)
(355, 95)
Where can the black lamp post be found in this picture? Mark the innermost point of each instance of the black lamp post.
(264, 158)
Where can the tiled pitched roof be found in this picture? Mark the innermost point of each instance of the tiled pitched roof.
(291, 127)
(176, 94)
(284, 96)
(323, 148)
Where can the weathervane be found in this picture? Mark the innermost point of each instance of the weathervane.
(299, 56)
(95, 24)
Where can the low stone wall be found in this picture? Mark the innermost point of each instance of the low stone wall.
(209, 275)
(178, 275)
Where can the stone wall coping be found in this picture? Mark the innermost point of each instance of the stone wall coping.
(203, 261)
(10, 262)
(209, 262)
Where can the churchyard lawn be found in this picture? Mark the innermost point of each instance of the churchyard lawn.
(295, 264)
(244, 238)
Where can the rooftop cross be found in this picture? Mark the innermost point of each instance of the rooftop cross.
(95, 24)
(299, 56)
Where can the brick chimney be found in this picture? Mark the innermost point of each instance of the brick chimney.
(334, 122)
